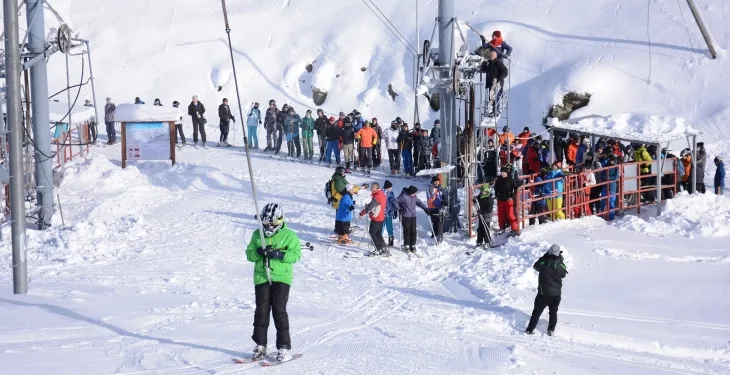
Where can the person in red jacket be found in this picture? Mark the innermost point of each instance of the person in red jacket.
(572, 151)
(524, 137)
(532, 158)
(504, 189)
(376, 211)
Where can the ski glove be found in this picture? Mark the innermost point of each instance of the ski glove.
(261, 251)
(275, 254)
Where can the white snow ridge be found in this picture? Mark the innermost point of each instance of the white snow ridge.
(146, 271)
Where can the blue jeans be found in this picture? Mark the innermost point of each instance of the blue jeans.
(253, 136)
(333, 147)
(611, 206)
(407, 161)
(389, 225)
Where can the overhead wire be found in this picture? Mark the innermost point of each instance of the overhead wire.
(648, 35)
(686, 28)
(395, 32)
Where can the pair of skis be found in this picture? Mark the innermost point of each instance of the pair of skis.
(265, 362)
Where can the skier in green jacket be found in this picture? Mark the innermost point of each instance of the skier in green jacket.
(308, 134)
(281, 249)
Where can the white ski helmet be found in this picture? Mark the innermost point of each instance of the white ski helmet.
(272, 219)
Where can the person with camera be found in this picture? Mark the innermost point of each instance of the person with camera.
(549, 288)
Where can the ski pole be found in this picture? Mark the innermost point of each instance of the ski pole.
(245, 141)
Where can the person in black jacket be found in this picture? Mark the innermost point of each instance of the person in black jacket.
(505, 188)
(377, 156)
(496, 73)
(224, 113)
(549, 290)
(405, 140)
(196, 110)
(320, 126)
(280, 118)
(348, 143)
(272, 113)
(333, 133)
(485, 203)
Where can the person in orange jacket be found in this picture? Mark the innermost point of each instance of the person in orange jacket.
(368, 138)
(687, 163)
(506, 136)
(572, 151)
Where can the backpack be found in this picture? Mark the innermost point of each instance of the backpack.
(328, 187)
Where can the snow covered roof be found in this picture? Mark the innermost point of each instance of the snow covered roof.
(145, 113)
(79, 113)
(629, 127)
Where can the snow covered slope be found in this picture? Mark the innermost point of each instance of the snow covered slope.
(148, 276)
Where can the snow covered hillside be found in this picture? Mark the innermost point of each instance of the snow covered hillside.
(171, 49)
(146, 271)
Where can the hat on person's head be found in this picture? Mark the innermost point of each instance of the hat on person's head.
(717, 159)
(412, 190)
(555, 250)
(108, 98)
(505, 169)
(486, 189)
(437, 121)
(349, 187)
(387, 184)
(332, 119)
(435, 178)
(527, 129)
(497, 33)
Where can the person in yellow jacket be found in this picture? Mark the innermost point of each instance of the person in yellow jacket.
(643, 157)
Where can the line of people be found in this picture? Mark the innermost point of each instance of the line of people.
(383, 208)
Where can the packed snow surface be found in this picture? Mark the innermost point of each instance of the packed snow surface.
(145, 113)
(643, 128)
(147, 274)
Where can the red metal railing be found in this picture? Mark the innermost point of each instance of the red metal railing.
(576, 196)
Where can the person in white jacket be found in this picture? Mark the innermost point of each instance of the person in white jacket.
(390, 138)
(179, 125)
(589, 181)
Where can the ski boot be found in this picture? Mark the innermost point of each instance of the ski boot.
(551, 332)
(413, 249)
(344, 240)
(530, 331)
(283, 355)
(384, 252)
(390, 241)
(195, 144)
(259, 353)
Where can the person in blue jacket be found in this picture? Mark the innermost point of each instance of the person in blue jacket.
(555, 191)
(719, 176)
(541, 192)
(343, 216)
(612, 186)
(391, 210)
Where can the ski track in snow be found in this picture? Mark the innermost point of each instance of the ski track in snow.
(188, 286)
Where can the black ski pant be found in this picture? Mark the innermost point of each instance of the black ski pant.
(366, 157)
(271, 300)
(394, 157)
(111, 133)
(377, 156)
(410, 231)
(92, 133)
(198, 127)
(280, 132)
(376, 233)
(342, 227)
(701, 187)
(483, 236)
(537, 208)
(270, 137)
(225, 127)
(179, 128)
(438, 230)
(322, 146)
(541, 302)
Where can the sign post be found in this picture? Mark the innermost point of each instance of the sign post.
(148, 141)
